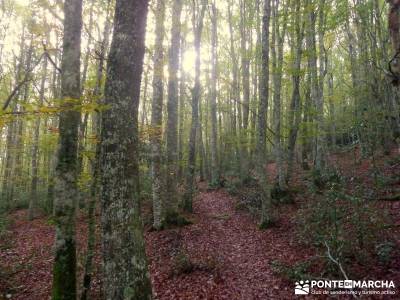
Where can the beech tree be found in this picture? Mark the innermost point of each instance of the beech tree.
(198, 22)
(156, 118)
(66, 192)
(172, 109)
(124, 260)
(262, 119)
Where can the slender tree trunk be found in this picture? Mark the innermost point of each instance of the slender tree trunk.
(182, 98)
(266, 212)
(52, 155)
(278, 38)
(214, 65)
(320, 162)
(235, 96)
(172, 107)
(332, 109)
(190, 177)
(66, 192)
(156, 118)
(95, 166)
(204, 169)
(18, 187)
(295, 111)
(245, 105)
(33, 200)
(87, 277)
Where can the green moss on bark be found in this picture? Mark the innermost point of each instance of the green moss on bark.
(64, 272)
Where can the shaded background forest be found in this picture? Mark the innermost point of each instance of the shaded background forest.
(348, 43)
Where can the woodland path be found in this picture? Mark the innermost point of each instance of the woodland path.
(222, 255)
(226, 255)
(231, 257)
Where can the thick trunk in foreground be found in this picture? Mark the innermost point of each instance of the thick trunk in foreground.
(66, 191)
(124, 259)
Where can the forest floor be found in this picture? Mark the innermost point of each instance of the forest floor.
(222, 255)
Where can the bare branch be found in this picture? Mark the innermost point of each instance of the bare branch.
(335, 261)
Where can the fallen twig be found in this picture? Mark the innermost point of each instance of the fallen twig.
(338, 264)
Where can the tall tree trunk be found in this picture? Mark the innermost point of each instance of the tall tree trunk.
(214, 65)
(18, 187)
(52, 154)
(156, 117)
(124, 259)
(295, 111)
(316, 97)
(278, 38)
(95, 166)
(172, 107)
(262, 121)
(182, 98)
(235, 96)
(321, 133)
(66, 192)
(35, 149)
(190, 177)
(245, 105)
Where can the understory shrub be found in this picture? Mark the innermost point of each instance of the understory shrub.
(298, 271)
(348, 226)
(182, 263)
(233, 185)
(322, 180)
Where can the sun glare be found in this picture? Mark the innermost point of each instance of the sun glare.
(188, 63)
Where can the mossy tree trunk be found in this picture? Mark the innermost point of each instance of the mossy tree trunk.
(66, 192)
(124, 260)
